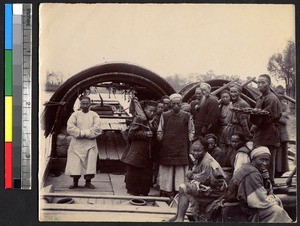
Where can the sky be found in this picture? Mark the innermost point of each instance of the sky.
(168, 39)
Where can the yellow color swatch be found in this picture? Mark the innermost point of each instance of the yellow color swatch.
(8, 118)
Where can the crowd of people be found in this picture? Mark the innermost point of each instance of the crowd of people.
(182, 148)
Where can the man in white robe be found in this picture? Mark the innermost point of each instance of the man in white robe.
(84, 127)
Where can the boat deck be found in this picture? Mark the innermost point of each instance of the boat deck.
(109, 201)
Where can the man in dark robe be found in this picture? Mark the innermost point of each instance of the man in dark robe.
(284, 127)
(155, 150)
(266, 128)
(138, 158)
(236, 122)
(208, 113)
(195, 108)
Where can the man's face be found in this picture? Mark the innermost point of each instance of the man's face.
(234, 93)
(261, 162)
(263, 84)
(199, 152)
(85, 105)
(166, 104)
(205, 91)
(160, 108)
(236, 142)
(211, 143)
(176, 105)
(225, 97)
(198, 94)
(150, 111)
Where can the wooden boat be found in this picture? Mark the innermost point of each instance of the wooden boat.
(109, 201)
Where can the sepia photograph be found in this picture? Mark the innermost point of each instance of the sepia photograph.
(167, 113)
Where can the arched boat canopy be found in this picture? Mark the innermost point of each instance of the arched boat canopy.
(147, 85)
(248, 93)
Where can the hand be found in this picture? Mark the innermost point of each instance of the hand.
(265, 174)
(189, 175)
(149, 134)
(218, 183)
(196, 106)
(289, 181)
(159, 136)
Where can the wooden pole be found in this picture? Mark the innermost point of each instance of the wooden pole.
(284, 96)
(214, 93)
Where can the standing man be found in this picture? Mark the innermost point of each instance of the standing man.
(208, 113)
(284, 125)
(237, 122)
(266, 128)
(166, 100)
(195, 108)
(175, 131)
(139, 156)
(84, 127)
(155, 150)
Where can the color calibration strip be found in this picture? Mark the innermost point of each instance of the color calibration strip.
(18, 96)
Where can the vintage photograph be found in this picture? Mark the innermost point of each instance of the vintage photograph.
(167, 113)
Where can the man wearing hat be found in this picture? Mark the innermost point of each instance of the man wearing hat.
(250, 186)
(84, 127)
(139, 156)
(236, 122)
(266, 127)
(175, 131)
(213, 149)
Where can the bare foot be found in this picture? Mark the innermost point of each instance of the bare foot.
(172, 219)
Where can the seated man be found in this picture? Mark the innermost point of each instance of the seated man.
(240, 152)
(213, 149)
(249, 187)
(206, 184)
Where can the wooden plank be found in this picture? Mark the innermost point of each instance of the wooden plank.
(162, 204)
(120, 143)
(108, 202)
(92, 201)
(47, 189)
(52, 216)
(105, 126)
(116, 201)
(97, 196)
(110, 208)
(100, 201)
(110, 145)
(101, 147)
(118, 184)
(76, 201)
(84, 200)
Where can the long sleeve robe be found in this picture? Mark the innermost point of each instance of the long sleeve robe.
(83, 150)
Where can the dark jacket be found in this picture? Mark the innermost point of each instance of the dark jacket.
(139, 153)
(174, 144)
(266, 130)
